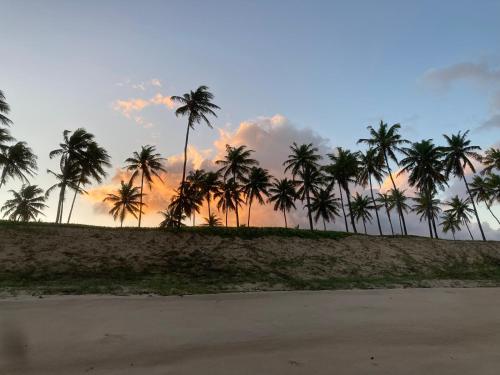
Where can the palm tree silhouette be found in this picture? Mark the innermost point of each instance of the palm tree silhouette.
(194, 192)
(169, 218)
(386, 200)
(387, 141)
(5, 137)
(197, 105)
(345, 168)
(236, 165)
(209, 187)
(26, 205)
(69, 177)
(17, 161)
(459, 208)
(424, 165)
(127, 200)
(398, 199)
(256, 186)
(459, 154)
(303, 162)
(92, 165)
(212, 221)
(491, 160)
(482, 193)
(427, 206)
(149, 164)
(325, 205)
(282, 193)
(4, 110)
(492, 182)
(361, 209)
(370, 165)
(449, 223)
(228, 196)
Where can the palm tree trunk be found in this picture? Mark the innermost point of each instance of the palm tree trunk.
(400, 211)
(324, 225)
(404, 222)
(236, 205)
(350, 209)
(389, 217)
(375, 204)
(249, 207)
(208, 204)
(284, 215)
(73, 202)
(61, 197)
(226, 217)
(453, 233)
(140, 205)
(401, 225)
(475, 209)
(429, 223)
(467, 226)
(364, 224)
(194, 218)
(491, 212)
(435, 228)
(181, 193)
(343, 208)
(308, 201)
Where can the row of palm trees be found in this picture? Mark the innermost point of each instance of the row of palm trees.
(240, 180)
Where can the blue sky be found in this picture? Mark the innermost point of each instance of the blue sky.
(334, 67)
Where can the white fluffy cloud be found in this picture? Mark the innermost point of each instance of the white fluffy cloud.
(130, 108)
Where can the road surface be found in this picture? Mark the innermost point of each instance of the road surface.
(403, 331)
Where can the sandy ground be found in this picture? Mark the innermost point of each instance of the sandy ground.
(404, 331)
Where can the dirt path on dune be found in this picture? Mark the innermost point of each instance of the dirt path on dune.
(412, 331)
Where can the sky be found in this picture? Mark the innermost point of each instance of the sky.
(281, 71)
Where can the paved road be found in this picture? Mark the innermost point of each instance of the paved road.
(412, 331)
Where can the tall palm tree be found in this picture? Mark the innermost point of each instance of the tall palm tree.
(387, 141)
(282, 193)
(424, 165)
(4, 110)
(361, 209)
(459, 154)
(256, 187)
(491, 160)
(26, 205)
(196, 105)
(345, 168)
(69, 177)
(236, 165)
(228, 196)
(125, 201)
(370, 165)
(17, 161)
(212, 221)
(449, 223)
(385, 199)
(169, 218)
(427, 206)
(482, 193)
(209, 187)
(190, 202)
(5, 137)
(92, 165)
(303, 161)
(148, 163)
(460, 209)
(325, 205)
(399, 199)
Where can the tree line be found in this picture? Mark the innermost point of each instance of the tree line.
(238, 180)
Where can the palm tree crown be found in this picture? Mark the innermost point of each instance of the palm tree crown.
(325, 205)
(491, 160)
(256, 187)
(26, 205)
(283, 194)
(17, 161)
(125, 201)
(4, 110)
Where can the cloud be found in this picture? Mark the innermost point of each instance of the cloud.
(155, 82)
(159, 99)
(129, 107)
(443, 78)
(492, 123)
(142, 86)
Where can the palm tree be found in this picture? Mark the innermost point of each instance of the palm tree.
(92, 165)
(189, 203)
(459, 154)
(148, 163)
(424, 165)
(4, 138)
(450, 223)
(26, 205)
(345, 169)
(212, 221)
(387, 141)
(236, 164)
(17, 161)
(459, 208)
(492, 183)
(491, 160)
(256, 186)
(370, 165)
(4, 110)
(169, 218)
(303, 162)
(127, 200)
(427, 206)
(325, 205)
(386, 200)
(282, 193)
(210, 186)
(196, 105)
(229, 197)
(482, 193)
(361, 209)
(398, 199)
(69, 177)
